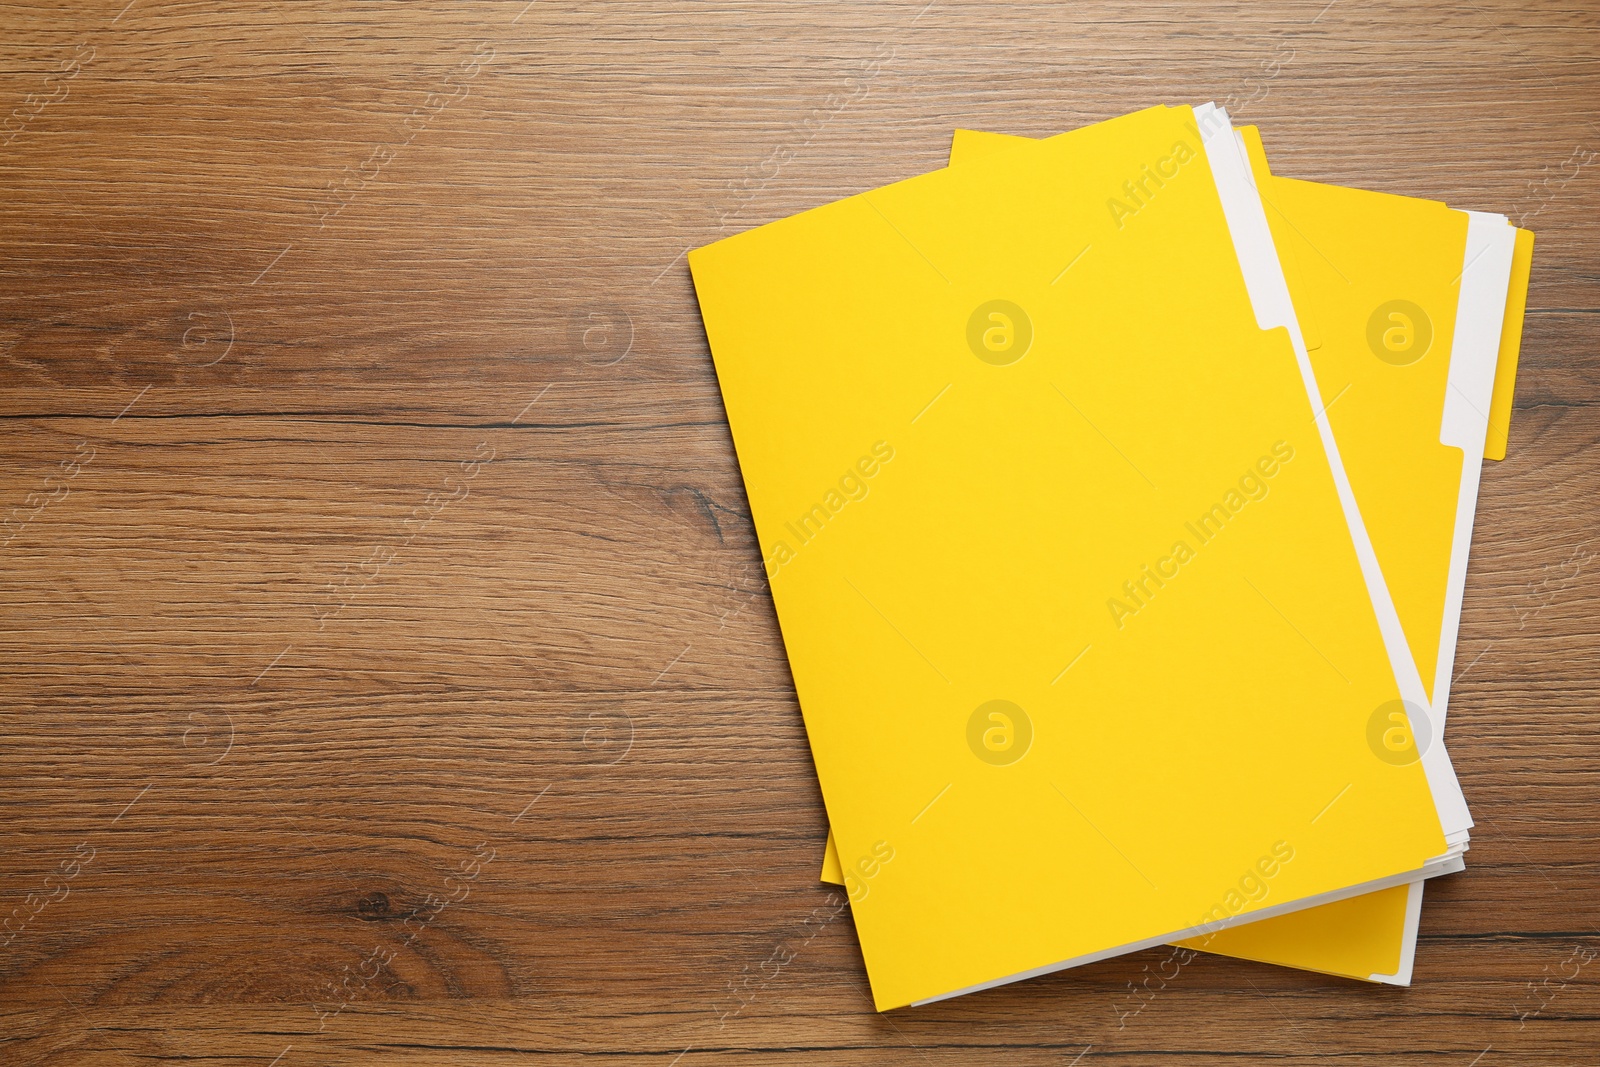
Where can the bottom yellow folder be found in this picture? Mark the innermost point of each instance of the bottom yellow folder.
(1371, 937)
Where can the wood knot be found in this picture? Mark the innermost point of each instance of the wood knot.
(373, 906)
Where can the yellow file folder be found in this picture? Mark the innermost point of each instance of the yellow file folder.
(1344, 250)
(1095, 663)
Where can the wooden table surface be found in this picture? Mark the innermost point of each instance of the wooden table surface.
(389, 675)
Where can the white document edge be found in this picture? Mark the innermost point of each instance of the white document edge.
(1408, 940)
(1474, 357)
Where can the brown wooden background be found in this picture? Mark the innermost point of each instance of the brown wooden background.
(382, 625)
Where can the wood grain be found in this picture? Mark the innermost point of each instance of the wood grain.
(382, 623)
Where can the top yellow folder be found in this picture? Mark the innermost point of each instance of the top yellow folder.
(1085, 627)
